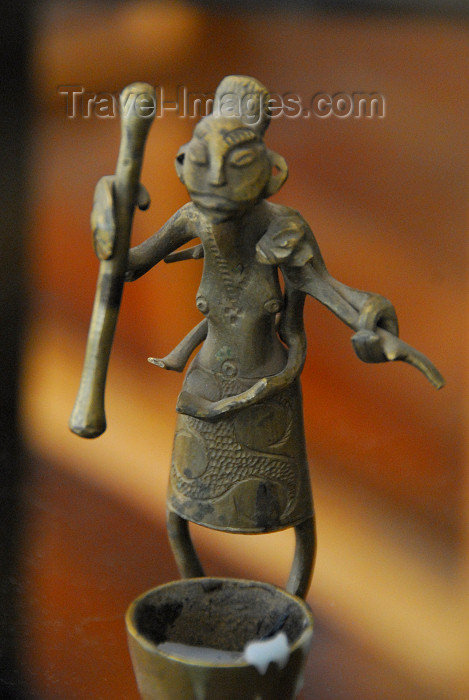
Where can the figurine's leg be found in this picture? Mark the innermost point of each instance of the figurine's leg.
(183, 550)
(303, 561)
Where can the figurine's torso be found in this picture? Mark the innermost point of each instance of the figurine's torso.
(247, 471)
(240, 298)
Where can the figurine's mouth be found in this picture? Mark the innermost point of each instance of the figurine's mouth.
(212, 201)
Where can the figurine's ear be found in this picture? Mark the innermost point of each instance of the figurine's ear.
(279, 173)
(179, 162)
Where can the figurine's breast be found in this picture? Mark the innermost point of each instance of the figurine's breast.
(234, 284)
(232, 292)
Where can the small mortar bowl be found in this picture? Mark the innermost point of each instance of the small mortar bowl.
(219, 639)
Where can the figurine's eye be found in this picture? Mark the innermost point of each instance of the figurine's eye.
(198, 154)
(242, 157)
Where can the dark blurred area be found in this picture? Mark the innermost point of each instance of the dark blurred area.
(83, 522)
(14, 121)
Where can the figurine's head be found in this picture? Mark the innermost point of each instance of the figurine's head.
(226, 167)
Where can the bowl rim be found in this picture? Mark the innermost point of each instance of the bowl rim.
(302, 642)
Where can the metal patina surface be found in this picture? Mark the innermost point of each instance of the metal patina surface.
(239, 462)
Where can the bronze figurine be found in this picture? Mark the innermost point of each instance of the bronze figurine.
(239, 461)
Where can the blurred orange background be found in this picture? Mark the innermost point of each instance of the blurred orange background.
(387, 200)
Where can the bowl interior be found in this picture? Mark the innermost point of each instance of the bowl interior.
(219, 613)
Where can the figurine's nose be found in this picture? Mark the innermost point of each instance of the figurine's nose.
(217, 174)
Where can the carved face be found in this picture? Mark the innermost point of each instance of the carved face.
(225, 167)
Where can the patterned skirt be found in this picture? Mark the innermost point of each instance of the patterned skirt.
(246, 471)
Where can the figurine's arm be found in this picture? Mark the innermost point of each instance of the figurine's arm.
(290, 243)
(372, 316)
(177, 358)
(180, 229)
(376, 339)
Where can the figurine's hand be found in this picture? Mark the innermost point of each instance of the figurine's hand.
(368, 346)
(382, 346)
(376, 313)
(198, 407)
(103, 218)
(103, 222)
(143, 197)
